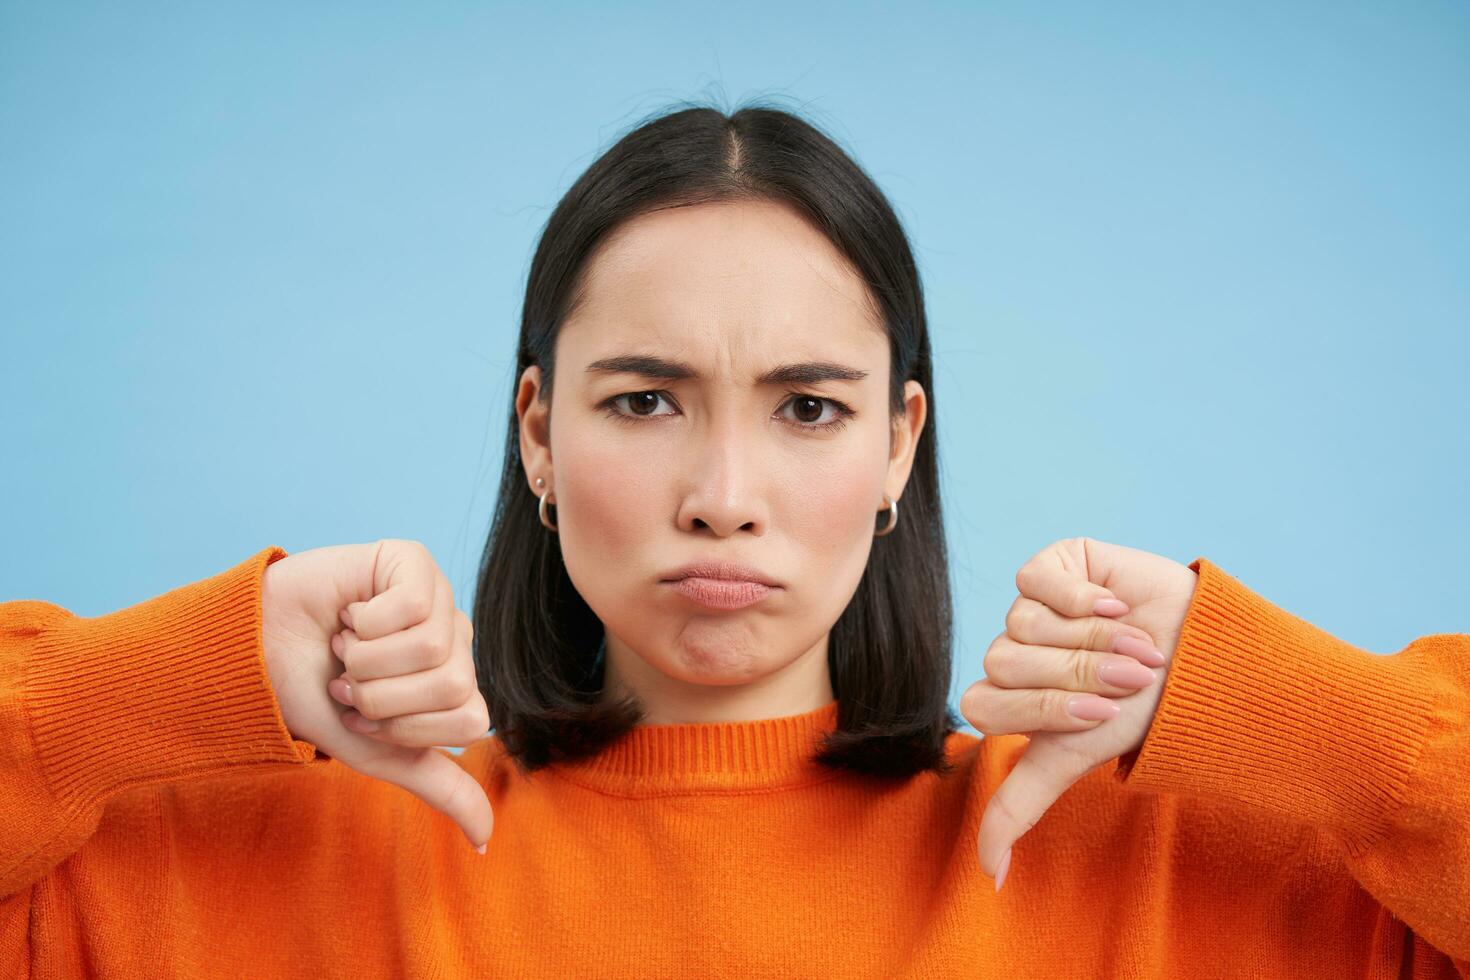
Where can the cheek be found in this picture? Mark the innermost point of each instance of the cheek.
(830, 506)
(609, 523)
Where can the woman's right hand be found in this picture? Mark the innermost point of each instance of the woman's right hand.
(406, 655)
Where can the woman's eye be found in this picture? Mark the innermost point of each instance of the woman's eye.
(810, 411)
(641, 403)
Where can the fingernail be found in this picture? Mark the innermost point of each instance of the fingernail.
(1126, 673)
(347, 618)
(1091, 708)
(1000, 873)
(481, 848)
(1132, 646)
(341, 689)
(1110, 607)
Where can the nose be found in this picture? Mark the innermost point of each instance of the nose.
(724, 473)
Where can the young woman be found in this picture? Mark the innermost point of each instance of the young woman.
(714, 652)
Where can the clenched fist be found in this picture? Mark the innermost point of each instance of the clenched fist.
(1092, 624)
(403, 661)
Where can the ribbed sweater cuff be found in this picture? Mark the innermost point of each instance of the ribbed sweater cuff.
(1264, 709)
(173, 687)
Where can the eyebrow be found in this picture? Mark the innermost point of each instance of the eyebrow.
(663, 369)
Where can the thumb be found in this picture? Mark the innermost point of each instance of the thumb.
(433, 776)
(1045, 770)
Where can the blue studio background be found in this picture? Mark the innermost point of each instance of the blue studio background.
(1198, 275)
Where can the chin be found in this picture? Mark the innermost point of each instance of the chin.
(715, 664)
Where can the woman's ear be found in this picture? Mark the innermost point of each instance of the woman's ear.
(907, 430)
(534, 417)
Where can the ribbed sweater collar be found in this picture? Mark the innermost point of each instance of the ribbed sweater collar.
(658, 760)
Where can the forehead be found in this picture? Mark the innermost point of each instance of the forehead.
(741, 282)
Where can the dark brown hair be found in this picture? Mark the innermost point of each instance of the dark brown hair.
(537, 644)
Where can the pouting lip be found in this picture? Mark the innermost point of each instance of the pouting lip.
(718, 569)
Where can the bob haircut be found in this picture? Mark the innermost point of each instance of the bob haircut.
(539, 648)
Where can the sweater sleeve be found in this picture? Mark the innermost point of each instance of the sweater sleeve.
(173, 688)
(1262, 709)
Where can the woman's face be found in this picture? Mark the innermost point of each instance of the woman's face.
(649, 472)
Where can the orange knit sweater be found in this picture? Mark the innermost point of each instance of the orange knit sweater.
(1300, 808)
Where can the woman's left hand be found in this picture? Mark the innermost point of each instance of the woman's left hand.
(1056, 638)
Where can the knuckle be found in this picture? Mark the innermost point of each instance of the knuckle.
(1053, 706)
(1031, 570)
(997, 660)
(457, 788)
(1028, 822)
(418, 607)
(970, 702)
(1019, 618)
(433, 647)
(461, 689)
(1050, 762)
(444, 690)
(476, 723)
(401, 730)
(365, 700)
(476, 715)
(1083, 670)
(450, 795)
(1100, 635)
(1082, 761)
